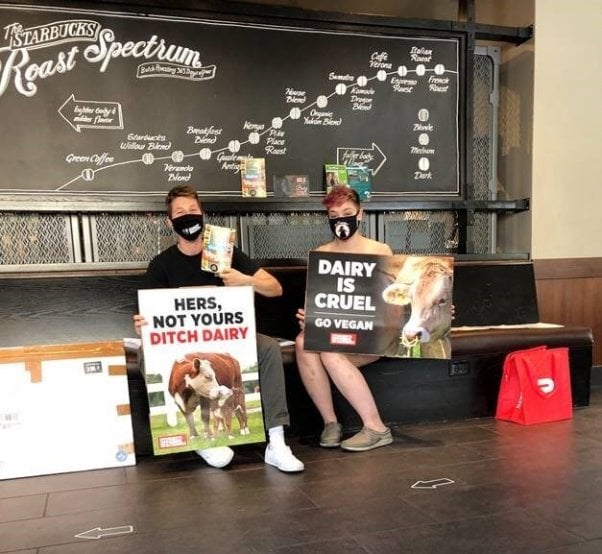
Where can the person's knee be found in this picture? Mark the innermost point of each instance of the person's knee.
(268, 347)
(272, 346)
(299, 343)
(329, 358)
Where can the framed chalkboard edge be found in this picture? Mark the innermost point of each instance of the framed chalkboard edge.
(214, 9)
(244, 11)
(237, 205)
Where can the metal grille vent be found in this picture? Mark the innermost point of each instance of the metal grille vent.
(27, 238)
(417, 232)
(482, 131)
(484, 235)
(484, 149)
(133, 237)
(286, 236)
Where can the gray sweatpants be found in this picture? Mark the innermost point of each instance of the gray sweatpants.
(271, 382)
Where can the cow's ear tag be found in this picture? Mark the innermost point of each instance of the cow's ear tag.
(393, 295)
(405, 298)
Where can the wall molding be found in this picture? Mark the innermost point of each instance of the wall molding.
(569, 292)
(567, 268)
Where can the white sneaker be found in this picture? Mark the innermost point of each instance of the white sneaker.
(282, 458)
(218, 456)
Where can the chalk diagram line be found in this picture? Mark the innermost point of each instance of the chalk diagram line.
(234, 145)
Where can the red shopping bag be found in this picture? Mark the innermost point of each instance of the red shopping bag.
(536, 386)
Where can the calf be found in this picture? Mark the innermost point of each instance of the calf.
(214, 382)
(222, 414)
(425, 283)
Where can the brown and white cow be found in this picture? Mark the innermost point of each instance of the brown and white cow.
(214, 382)
(425, 283)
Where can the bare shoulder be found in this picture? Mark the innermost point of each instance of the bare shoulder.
(379, 248)
(328, 247)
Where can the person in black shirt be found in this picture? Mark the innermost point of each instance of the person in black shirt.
(180, 266)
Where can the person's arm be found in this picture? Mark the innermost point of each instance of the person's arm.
(263, 282)
(266, 284)
(245, 271)
(387, 250)
(139, 321)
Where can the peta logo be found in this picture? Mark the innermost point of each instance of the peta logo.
(546, 384)
(346, 339)
(172, 441)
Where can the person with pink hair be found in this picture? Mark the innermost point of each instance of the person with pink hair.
(318, 369)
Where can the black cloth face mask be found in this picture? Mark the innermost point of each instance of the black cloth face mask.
(188, 226)
(343, 228)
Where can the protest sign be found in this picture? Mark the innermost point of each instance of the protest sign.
(399, 306)
(201, 370)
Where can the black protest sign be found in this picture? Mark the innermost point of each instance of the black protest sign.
(384, 305)
(344, 310)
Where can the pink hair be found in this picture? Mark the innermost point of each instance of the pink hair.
(339, 195)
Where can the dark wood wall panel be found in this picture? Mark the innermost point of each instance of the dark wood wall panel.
(569, 292)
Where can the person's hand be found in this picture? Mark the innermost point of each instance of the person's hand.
(139, 321)
(234, 278)
(301, 317)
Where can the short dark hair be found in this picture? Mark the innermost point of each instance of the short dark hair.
(178, 191)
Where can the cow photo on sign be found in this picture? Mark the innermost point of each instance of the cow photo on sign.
(201, 367)
(398, 306)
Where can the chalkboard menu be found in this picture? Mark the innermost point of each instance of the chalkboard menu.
(128, 105)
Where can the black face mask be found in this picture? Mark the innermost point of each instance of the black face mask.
(188, 226)
(343, 228)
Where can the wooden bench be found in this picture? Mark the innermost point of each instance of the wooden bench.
(488, 297)
(65, 309)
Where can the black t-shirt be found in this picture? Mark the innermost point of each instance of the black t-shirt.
(172, 269)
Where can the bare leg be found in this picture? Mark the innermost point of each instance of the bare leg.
(350, 381)
(315, 379)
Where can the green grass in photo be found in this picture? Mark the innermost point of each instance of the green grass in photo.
(160, 428)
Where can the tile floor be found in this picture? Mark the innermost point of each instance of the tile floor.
(514, 489)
